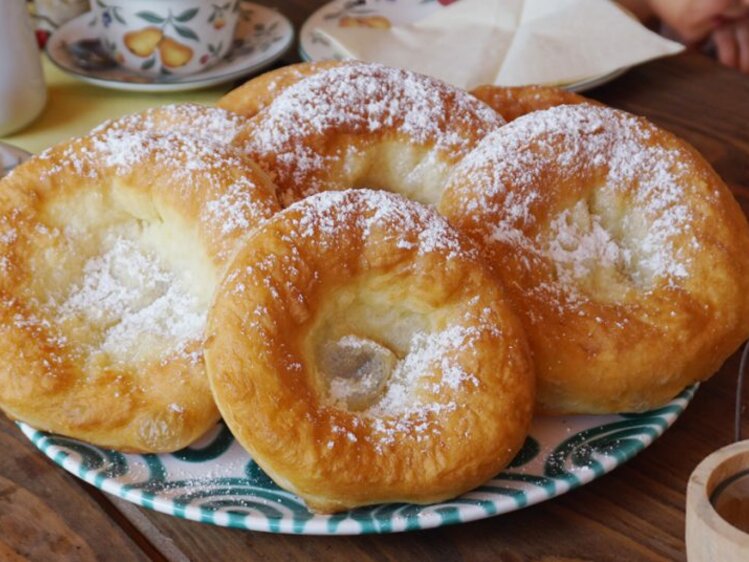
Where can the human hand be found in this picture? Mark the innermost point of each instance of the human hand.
(731, 41)
(695, 20)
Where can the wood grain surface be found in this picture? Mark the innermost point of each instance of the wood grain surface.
(634, 513)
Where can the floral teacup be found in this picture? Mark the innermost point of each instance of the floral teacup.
(163, 37)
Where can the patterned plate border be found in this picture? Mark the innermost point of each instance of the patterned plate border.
(216, 482)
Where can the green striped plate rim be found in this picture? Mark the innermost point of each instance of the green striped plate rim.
(216, 482)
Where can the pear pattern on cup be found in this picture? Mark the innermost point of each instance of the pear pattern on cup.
(143, 42)
(374, 22)
(172, 52)
(168, 41)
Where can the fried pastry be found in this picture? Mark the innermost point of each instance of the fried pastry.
(256, 94)
(513, 101)
(362, 353)
(110, 248)
(366, 125)
(212, 123)
(622, 250)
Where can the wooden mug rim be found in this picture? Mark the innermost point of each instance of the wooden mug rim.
(707, 533)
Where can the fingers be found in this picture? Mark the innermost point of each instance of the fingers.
(742, 39)
(732, 44)
(693, 20)
(727, 46)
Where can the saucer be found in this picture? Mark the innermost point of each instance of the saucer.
(313, 46)
(262, 36)
(10, 157)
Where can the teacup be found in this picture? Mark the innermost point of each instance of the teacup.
(163, 37)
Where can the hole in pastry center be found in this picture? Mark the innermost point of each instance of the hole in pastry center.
(125, 281)
(594, 246)
(357, 370)
(360, 340)
(415, 171)
(127, 293)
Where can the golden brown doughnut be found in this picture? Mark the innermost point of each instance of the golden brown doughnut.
(366, 125)
(361, 352)
(213, 123)
(622, 250)
(514, 101)
(254, 95)
(110, 248)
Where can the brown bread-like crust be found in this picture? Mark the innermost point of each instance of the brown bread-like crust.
(622, 250)
(366, 125)
(374, 268)
(110, 246)
(513, 102)
(254, 95)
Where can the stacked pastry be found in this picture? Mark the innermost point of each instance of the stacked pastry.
(621, 250)
(370, 270)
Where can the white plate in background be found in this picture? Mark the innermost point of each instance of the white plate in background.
(314, 47)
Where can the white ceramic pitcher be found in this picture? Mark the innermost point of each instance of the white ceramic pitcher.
(22, 89)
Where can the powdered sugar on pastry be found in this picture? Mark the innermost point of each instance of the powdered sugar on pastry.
(130, 296)
(210, 123)
(578, 249)
(241, 200)
(299, 138)
(125, 149)
(607, 148)
(427, 354)
(238, 208)
(405, 394)
(358, 329)
(408, 224)
(112, 247)
(620, 247)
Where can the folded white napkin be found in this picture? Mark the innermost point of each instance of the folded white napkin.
(509, 42)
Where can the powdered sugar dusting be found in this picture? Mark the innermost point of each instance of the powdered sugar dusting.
(361, 99)
(194, 161)
(515, 170)
(408, 224)
(130, 296)
(123, 150)
(239, 207)
(427, 353)
(357, 368)
(419, 388)
(578, 249)
(211, 123)
(403, 388)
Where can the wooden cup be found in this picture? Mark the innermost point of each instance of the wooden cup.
(709, 536)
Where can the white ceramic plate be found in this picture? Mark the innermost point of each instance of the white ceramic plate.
(216, 482)
(10, 157)
(315, 47)
(262, 36)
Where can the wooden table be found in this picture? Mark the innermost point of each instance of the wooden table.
(634, 513)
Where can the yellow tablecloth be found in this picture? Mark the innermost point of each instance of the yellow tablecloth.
(74, 107)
